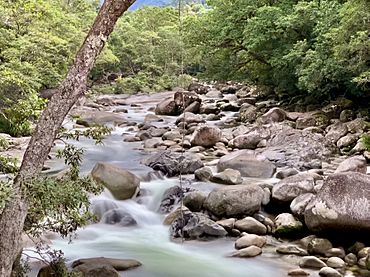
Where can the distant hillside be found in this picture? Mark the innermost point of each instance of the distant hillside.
(161, 3)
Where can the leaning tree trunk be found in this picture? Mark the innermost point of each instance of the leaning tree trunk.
(73, 86)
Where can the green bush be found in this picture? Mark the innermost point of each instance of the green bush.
(8, 164)
(17, 119)
(366, 141)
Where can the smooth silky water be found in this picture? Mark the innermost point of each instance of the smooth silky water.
(149, 242)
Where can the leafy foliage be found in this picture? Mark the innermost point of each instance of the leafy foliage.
(8, 164)
(149, 52)
(305, 47)
(5, 194)
(59, 205)
(38, 39)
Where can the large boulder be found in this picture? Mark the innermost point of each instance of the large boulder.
(300, 149)
(121, 183)
(248, 252)
(198, 88)
(206, 136)
(248, 164)
(188, 118)
(166, 107)
(273, 115)
(92, 117)
(95, 270)
(238, 200)
(171, 163)
(291, 187)
(250, 138)
(342, 204)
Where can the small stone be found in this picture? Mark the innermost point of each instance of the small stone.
(174, 215)
(203, 174)
(363, 252)
(306, 240)
(298, 272)
(250, 251)
(228, 224)
(250, 239)
(228, 176)
(335, 252)
(287, 224)
(311, 262)
(350, 259)
(335, 262)
(235, 233)
(329, 272)
(362, 262)
(286, 173)
(251, 225)
(194, 200)
(291, 249)
(319, 246)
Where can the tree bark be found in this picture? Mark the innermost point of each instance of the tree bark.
(72, 87)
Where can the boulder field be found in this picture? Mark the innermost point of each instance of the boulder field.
(289, 184)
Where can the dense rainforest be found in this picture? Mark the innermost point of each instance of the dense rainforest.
(285, 82)
(316, 49)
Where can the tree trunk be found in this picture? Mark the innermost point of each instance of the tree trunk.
(73, 87)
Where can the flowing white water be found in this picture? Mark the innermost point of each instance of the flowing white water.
(149, 243)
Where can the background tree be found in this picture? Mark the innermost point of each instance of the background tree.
(72, 87)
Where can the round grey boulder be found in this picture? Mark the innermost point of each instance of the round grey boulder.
(228, 177)
(250, 239)
(291, 187)
(248, 252)
(311, 262)
(238, 200)
(353, 164)
(329, 272)
(121, 183)
(206, 136)
(251, 225)
(194, 200)
(319, 246)
(248, 164)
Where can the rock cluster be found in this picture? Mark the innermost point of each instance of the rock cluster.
(234, 137)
